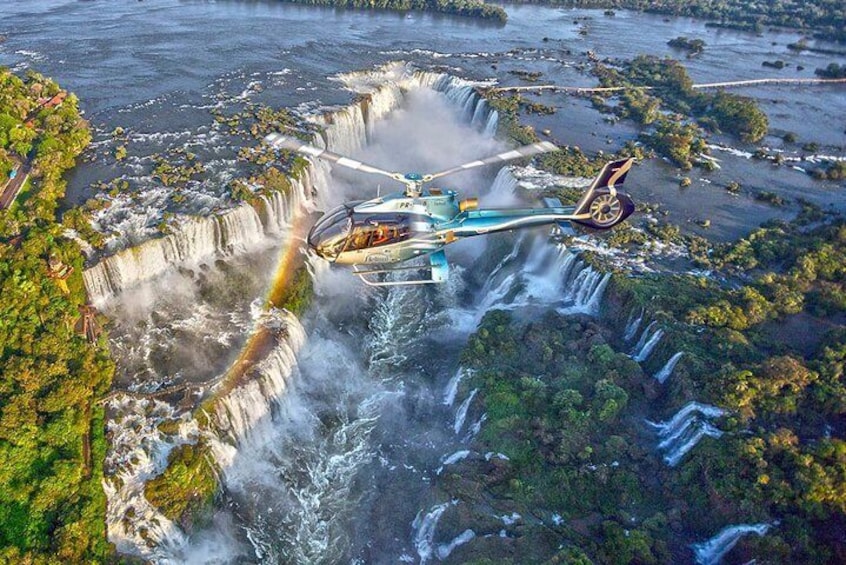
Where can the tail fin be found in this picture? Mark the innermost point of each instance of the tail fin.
(612, 175)
(611, 206)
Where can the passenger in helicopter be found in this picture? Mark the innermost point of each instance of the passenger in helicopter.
(382, 235)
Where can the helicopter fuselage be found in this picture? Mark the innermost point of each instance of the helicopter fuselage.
(396, 228)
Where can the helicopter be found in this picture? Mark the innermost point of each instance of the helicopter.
(374, 236)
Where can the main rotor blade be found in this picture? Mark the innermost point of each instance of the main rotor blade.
(280, 141)
(525, 151)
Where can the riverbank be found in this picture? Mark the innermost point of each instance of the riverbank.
(55, 367)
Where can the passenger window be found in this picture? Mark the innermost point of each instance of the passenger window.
(364, 236)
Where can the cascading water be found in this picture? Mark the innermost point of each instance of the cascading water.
(643, 337)
(452, 386)
(551, 276)
(138, 451)
(241, 229)
(663, 374)
(424, 531)
(684, 430)
(712, 551)
(246, 227)
(461, 413)
(646, 343)
(424, 527)
(459, 455)
(238, 412)
(632, 326)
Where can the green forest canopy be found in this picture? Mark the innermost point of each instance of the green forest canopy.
(52, 445)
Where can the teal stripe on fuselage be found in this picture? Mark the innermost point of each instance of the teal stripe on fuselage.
(488, 221)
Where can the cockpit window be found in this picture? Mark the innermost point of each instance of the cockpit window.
(333, 223)
(329, 235)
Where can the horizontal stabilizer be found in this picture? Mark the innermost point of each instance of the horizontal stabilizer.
(565, 229)
(552, 203)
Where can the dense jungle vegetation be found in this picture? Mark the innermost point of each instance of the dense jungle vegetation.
(826, 19)
(52, 444)
(470, 8)
(567, 406)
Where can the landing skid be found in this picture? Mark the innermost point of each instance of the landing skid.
(438, 269)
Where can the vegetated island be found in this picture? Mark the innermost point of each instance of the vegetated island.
(55, 366)
(674, 111)
(470, 8)
(692, 46)
(825, 19)
(833, 70)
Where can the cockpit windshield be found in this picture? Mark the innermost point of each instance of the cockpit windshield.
(329, 234)
(342, 229)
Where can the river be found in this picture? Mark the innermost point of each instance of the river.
(153, 67)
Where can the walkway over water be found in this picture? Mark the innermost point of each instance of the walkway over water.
(727, 84)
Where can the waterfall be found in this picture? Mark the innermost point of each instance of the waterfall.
(684, 430)
(712, 551)
(240, 229)
(452, 459)
(646, 343)
(461, 414)
(586, 292)
(238, 412)
(138, 451)
(668, 367)
(452, 386)
(238, 417)
(424, 531)
(246, 227)
(445, 549)
(551, 274)
(424, 526)
(474, 109)
(632, 326)
(643, 337)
